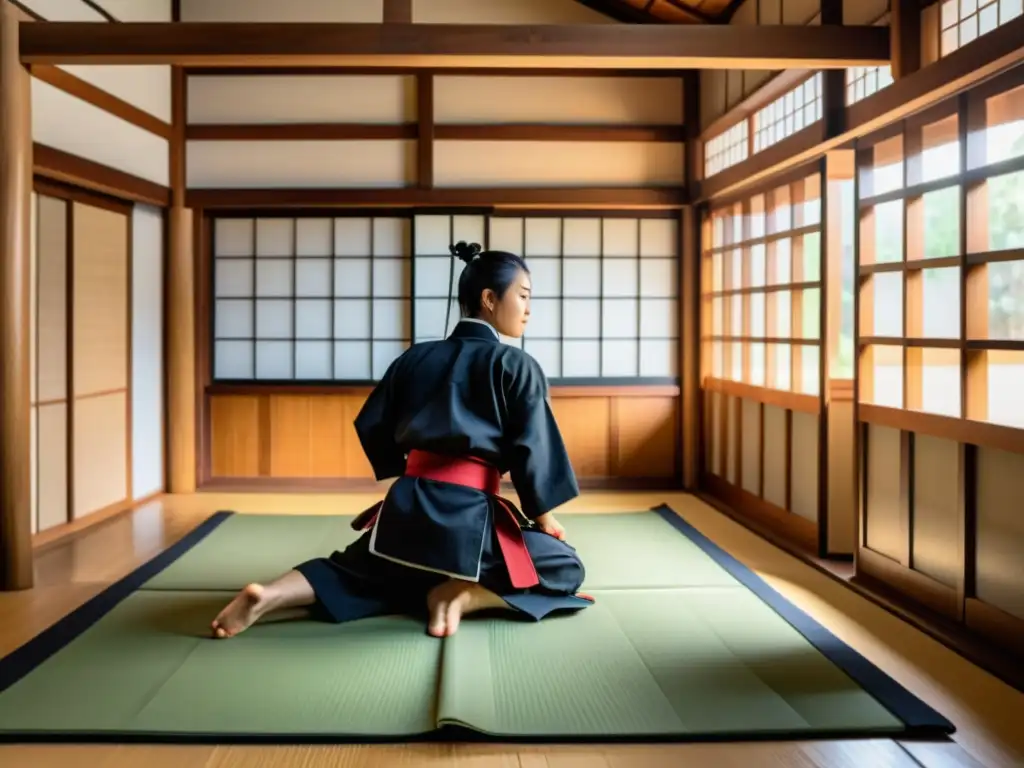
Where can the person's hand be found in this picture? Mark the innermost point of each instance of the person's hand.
(551, 526)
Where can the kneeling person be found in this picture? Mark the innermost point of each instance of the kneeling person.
(447, 419)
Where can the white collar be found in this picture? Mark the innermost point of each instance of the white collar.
(482, 322)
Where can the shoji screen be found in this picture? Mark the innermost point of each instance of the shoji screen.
(340, 298)
(100, 348)
(605, 289)
(50, 370)
(310, 299)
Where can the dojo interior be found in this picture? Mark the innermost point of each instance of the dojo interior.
(756, 269)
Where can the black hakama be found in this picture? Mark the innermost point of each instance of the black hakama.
(447, 420)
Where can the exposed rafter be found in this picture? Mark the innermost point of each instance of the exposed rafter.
(590, 46)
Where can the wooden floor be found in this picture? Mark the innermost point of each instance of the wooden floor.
(988, 714)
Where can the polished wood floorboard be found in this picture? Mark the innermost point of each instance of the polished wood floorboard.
(989, 715)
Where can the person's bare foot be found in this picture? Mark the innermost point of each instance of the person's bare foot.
(450, 601)
(241, 613)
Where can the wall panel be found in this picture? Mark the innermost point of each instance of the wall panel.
(139, 10)
(276, 99)
(350, 11)
(304, 437)
(290, 164)
(65, 122)
(1000, 530)
(147, 350)
(558, 100)
(645, 430)
(235, 436)
(143, 86)
(64, 10)
(937, 510)
(733, 440)
(571, 164)
(147, 87)
(775, 457)
(504, 12)
(884, 525)
(805, 464)
(750, 447)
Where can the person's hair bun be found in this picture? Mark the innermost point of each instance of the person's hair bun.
(465, 251)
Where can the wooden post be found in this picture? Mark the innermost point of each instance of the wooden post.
(905, 37)
(15, 255)
(180, 317)
(689, 286)
(839, 475)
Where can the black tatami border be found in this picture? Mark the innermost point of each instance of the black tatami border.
(916, 714)
(25, 659)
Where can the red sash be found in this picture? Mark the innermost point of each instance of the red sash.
(472, 473)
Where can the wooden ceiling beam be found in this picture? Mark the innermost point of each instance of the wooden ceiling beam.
(590, 46)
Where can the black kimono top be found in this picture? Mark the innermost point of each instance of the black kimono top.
(468, 395)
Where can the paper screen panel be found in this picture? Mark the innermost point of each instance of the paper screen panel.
(279, 99)
(67, 123)
(100, 300)
(100, 450)
(51, 299)
(52, 471)
(549, 163)
(290, 164)
(147, 351)
(310, 298)
(497, 99)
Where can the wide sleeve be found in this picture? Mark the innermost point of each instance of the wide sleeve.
(538, 462)
(375, 426)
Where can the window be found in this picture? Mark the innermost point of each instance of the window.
(791, 112)
(963, 21)
(941, 269)
(338, 299)
(728, 148)
(761, 289)
(605, 293)
(862, 82)
(309, 299)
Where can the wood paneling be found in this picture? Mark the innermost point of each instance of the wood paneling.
(235, 436)
(308, 436)
(644, 436)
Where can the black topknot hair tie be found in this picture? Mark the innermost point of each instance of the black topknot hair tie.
(465, 251)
